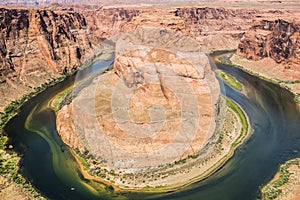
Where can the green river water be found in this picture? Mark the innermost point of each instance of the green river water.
(48, 164)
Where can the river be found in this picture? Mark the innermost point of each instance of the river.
(49, 165)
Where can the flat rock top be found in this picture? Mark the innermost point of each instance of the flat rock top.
(157, 106)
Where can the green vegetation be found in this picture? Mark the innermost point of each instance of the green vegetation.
(297, 98)
(272, 190)
(230, 80)
(56, 101)
(151, 188)
(243, 119)
(225, 59)
(9, 169)
(12, 109)
(82, 157)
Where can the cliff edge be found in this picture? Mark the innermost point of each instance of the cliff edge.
(37, 46)
(278, 40)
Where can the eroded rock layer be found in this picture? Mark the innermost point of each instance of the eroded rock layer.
(222, 28)
(278, 40)
(37, 45)
(217, 28)
(107, 22)
(157, 107)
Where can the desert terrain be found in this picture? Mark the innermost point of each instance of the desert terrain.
(43, 44)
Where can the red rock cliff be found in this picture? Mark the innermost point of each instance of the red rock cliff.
(37, 45)
(217, 28)
(107, 22)
(279, 40)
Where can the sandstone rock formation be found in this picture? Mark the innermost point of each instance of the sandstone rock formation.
(279, 40)
(158, 107)
(201, 13)
(222, 28)
(107, 22)
(217, 28)
(37, 45)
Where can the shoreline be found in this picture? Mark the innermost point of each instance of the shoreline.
(159, 190)
(281, 185)
(13, 108)
(225, 57)
(268, 189)
(173, 187)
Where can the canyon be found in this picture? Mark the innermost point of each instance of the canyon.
(39, 45)
(42, 44)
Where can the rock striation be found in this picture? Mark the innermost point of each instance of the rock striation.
(216, 28)
(38, 45)
(159, 105)
(202, 13)
(107, 22)
(278, 40)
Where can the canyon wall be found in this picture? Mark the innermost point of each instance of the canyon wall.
(217, 28)
(222, 28)
(271, 48)
(37, 45)
(40, 44)
(278, 40)
(107, 22)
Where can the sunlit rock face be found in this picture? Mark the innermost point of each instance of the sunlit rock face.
(107, 22)
(37, 45)
(278, 40)
(156, 106)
